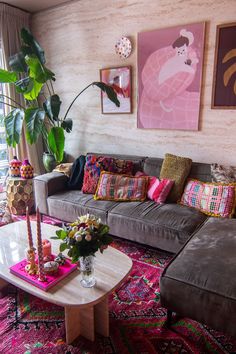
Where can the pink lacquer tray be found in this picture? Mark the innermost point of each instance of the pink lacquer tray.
(51, 279)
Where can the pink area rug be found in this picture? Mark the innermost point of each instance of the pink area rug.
(29, 325)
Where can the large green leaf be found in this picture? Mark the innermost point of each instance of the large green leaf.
(38, 71)
(13, 125)
(17, 63)
(52, 106)
(67, 125)
(31, 42)
(111, 94)
(8, 76)
(34, 118)
(34, 92)
(24, 85)
(56, 142)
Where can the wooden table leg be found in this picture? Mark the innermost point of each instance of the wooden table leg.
(3, 286)
(101, 317)
(79, 321)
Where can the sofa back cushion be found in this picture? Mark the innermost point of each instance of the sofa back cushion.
(201, 171)
(121, 187)
(177, 169)
(215, 199)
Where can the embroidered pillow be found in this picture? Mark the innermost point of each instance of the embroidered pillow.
(225, 174)
(121, 187)
(92, 169)
(210, 198)
(123, 166)
(177, 169)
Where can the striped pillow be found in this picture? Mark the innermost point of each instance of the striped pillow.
(158, 190)
(121, 187)
(215, 199)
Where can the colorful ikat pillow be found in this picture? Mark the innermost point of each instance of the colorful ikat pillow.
(215, 199)
(121, 187)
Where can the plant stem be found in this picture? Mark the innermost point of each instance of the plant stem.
(52, 87)
(9, 98)
(8, 104)
(76, 99)
(48, 88)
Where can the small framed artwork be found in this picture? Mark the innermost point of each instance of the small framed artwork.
(224, 79)
(120, 80)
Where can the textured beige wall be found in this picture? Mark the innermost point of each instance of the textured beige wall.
(79, 39)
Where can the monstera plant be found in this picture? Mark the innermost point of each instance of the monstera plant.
(41, 111)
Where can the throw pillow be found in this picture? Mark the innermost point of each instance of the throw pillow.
(158, 190)
(121, 187)
(177, 169)
(77, 174)
(210, 198)
(123, 166)
(93, 167)
(64, 168)
(225, 174)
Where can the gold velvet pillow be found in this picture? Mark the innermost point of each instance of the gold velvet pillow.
(177, 169)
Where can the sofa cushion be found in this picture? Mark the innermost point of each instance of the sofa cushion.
(200, 281)
(176, 168)
(68, 205)
(210, 198)
(165, 226)
(121, 187)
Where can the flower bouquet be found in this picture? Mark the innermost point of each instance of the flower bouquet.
(83, 238)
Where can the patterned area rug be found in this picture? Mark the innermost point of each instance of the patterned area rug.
(30, 325)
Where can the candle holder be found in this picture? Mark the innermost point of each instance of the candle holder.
(31, 268)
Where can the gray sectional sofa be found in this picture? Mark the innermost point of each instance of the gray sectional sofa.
(203, 263)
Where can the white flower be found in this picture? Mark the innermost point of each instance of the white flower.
(75, 228)
(88, 237)
(78, 237)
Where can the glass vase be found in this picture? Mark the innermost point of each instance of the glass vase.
(87, 270)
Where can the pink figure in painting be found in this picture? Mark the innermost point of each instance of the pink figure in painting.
(165, 101)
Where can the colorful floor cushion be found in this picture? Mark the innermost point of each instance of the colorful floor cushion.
(210, 198)
(177, 169)
(95, 164)
(121, 187)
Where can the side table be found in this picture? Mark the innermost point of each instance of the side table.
(20, 195)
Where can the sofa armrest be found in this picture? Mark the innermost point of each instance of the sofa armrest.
(46, 185)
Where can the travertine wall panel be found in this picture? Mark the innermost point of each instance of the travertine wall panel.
(79, 39)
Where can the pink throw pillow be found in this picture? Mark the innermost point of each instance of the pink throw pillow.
(158, 190)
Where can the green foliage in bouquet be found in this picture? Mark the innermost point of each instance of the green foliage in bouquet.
(84, 237)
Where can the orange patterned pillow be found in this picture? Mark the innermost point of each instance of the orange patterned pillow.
(118, 187)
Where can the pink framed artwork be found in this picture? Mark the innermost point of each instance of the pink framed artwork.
(170, 64)
(120, 79)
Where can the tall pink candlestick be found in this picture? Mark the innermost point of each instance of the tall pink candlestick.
(29, 232)
(40, 248)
